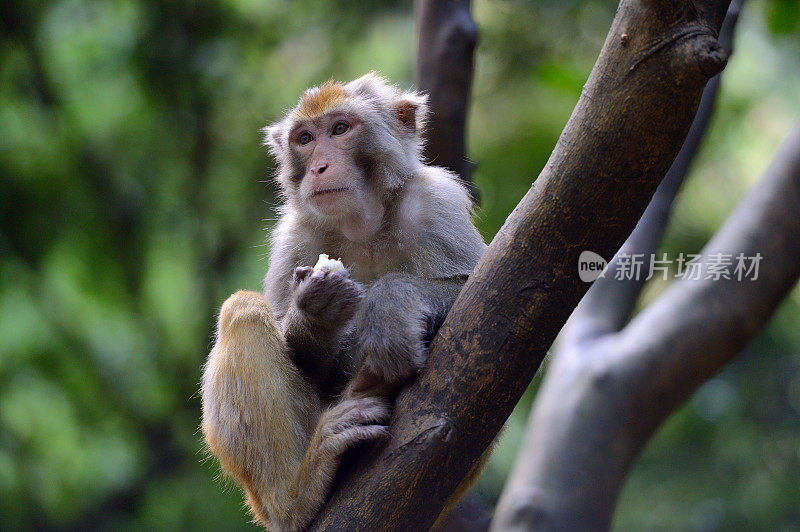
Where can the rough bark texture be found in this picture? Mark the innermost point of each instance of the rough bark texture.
(609, 303)
(625, 131)
(603, 397)
(445, 63)
(603, 311)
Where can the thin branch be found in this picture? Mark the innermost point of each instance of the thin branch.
(627, 127)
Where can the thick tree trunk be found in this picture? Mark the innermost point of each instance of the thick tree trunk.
(625, 131)
(608, 305)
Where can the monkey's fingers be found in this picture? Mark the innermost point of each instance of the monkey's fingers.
(354, 420)
(332, 297)
(358, 410)
(355, 434)
(346, 297)
(301, 272)
(343, 272)
(325, 272)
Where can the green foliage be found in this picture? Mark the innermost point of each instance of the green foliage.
(783, 16)
(133, 201)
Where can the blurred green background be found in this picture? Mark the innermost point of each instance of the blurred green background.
(134, 197)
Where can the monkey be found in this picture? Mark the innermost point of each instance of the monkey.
(295, 374)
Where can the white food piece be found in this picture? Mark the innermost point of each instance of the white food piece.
(328, 263)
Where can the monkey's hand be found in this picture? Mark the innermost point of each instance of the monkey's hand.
(320, 317)
(326, 297)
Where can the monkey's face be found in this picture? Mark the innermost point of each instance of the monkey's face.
(345, 150)
(328, 179)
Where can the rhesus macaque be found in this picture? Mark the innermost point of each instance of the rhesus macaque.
(291, 382)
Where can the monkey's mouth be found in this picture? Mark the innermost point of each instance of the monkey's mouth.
(328, 191)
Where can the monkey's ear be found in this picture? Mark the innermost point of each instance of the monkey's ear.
(412, 111)
(273, 137)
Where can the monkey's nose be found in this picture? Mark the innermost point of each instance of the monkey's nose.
(322, 169)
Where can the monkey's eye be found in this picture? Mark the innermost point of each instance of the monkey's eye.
(305, 137)
(340, 128)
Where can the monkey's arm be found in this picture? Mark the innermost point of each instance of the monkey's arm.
(315, 315)
(401, 311)
(265, 423)
(399, 315)
(314, 310)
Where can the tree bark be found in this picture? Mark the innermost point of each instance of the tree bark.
(626, 129)
(608, 304)
(603, 398)
(445, 65)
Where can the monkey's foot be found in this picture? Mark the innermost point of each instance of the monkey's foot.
(352, 421)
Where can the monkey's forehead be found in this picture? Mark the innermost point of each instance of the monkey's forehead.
(356, 94)
(318, 100)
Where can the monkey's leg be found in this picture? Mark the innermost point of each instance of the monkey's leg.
(265, 423)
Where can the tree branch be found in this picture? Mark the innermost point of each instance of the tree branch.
(608, 304)
(445, 64)
(598, 406)
(627, 127)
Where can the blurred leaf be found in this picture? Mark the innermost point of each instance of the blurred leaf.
(783, 16)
